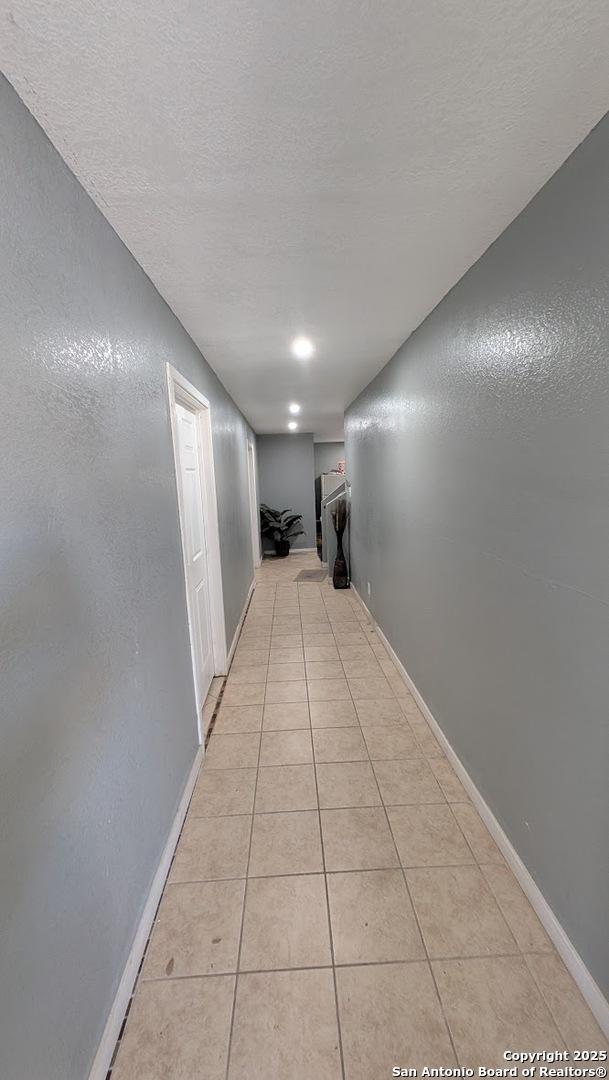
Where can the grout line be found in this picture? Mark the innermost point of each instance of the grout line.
(249, 855)
(339, 870)
(352, 964)
(328, 915)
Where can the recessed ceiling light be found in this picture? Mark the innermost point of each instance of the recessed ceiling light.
(292, 425)
(294, 408)
(302, 348)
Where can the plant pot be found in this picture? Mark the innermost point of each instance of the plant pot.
(282, 548)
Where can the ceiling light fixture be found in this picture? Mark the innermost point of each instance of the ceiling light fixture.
(294, 408)
(302, 348)
(292, 425)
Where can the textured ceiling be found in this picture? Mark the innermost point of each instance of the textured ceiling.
(329, 168)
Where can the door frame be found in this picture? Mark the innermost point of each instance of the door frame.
(181, 391)
(253, 499)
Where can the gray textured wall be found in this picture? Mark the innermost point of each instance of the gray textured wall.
(286, 478)
(97, 734)
(327, 455)
(479, 463)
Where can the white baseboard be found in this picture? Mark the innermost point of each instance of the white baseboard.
(590, 990)
(231, 651)
(105, 1050)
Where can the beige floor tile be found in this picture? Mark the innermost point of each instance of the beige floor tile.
(177, 1029)
(319, 640)
(232, 751)
(370, 687)
(362, 668)
(388, 742)
(407, 782)
(350, 638)
(349, 783)
(249, 658)
(285, 691)
(286, 844)
(212, 848)
(448, 780)
(286, 748)
(397, 685)
(285, 1026)
(428, 836)
(492, 1004)
(290, 625)
(333, 714)
(286, 641)
(385, 711)
(243, 695)
(315, 626)
(227, 791)
(430, 746)
(477, 834)
(328, 690)
(285, 716)
(410, 708)
(339, 744)
(344, 623)
(390, 1015)
(285, 923)
(286, 787)
(424, 736)
(320, 654)
(255, 637)
(286, 672)
(196, 931)
(357, 839)
(372, 918)
(457, 913)
(286, 656)
(377, 647)
(355, 652)
(571, 1015)
(238, 719)
(324, 669)
(518, 913)
(254, 675)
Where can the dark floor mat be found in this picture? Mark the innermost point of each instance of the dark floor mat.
(312, 575)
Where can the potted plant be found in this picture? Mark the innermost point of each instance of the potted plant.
(282, 526)
(340, 517)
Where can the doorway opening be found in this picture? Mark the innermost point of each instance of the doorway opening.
(190, 416)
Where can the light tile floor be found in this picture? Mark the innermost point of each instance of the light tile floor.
(335, 906)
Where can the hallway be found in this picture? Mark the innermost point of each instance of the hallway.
(277, 275)
(335, 907)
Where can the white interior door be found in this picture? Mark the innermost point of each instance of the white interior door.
(195, 553)
(254, 519)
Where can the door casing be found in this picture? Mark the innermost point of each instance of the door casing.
(181, 390)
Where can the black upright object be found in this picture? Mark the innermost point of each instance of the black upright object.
(340, 517)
